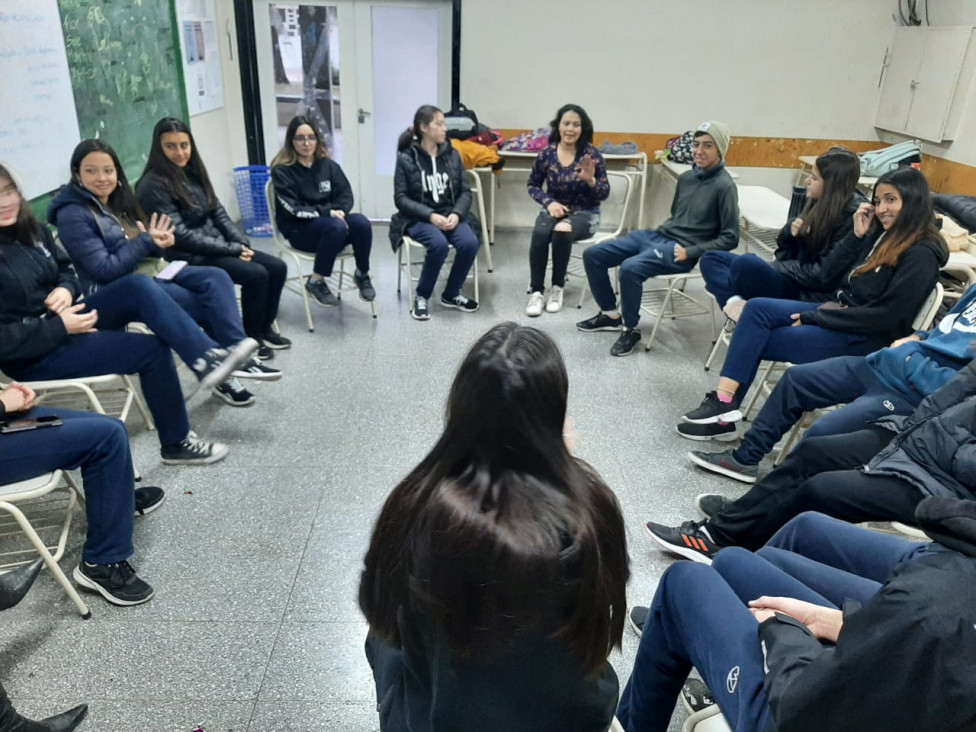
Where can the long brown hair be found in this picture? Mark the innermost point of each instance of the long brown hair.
(25, 229)
(915, 222)
(499, 529)
(122, 201)
(287, 154)
(839, 168)
(174, 177)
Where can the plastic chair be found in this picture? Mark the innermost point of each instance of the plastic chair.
(46, 517)
(296, 283)
(405, 261)
(709, 719)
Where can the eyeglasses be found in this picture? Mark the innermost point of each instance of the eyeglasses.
(305, 139)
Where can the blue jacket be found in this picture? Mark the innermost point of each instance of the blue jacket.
(919, 368)
(95, 239)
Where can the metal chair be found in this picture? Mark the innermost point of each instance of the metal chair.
(296, 283)
(405, 261)
(478, 193)
(673, 302)
(30, 493)
(709, 719)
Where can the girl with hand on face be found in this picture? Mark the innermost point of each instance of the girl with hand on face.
(575, 178)
(175, 183)
(433, 199)
(801, 245)
(313, 209)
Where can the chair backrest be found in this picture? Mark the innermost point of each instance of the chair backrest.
(618, 203)
(923, 321)
(269, 197)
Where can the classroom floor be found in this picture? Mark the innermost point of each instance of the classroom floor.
(255, 561)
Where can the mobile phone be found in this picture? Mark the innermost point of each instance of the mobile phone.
(30, 423)
(171, 270)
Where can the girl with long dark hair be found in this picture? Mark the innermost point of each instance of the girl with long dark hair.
(433, 200)
(575, 179)
(313, 209)
(175, 183)
(885, 269)
(496, 573)
(825, 221)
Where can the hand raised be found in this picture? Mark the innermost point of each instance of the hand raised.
(586, 170)
(796, 227)
(160, 229)
(863, 218)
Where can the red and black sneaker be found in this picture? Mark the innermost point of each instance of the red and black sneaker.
(690, 540)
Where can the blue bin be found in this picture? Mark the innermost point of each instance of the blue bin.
(249, 182)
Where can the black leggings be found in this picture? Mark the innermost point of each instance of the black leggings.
(583, 225)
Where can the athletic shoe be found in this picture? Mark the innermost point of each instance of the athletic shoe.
(695, 695)
(690, 540)
(713, 410)
(460, 302)
(724, 463)
(117, 583)
(254, 369)
(275, 341)
(365, 285)
(421, 309)
(264, 353)
(555, 302)
(193, 451)
(214, 366)
(536, 302)
(637, 617)
(626, 343)
(733, 310)
(600, 322)
(721, 431)
(148, 499)
(710, 504)
(233, 393)
(319, 289)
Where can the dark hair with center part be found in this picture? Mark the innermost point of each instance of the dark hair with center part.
(840, 169)
(122, 202)
(174, 177)
(586, 127)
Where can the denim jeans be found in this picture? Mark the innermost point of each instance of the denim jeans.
(437, 243)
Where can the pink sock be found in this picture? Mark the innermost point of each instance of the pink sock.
(723, 397)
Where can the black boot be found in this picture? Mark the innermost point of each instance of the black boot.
(14, 585)
(11, 721)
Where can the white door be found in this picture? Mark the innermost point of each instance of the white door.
(360, 68)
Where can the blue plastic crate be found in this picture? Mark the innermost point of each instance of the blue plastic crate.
(249, 182)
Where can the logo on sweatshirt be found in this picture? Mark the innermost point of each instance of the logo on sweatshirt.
(325, 186)
(435, 184)
(732, 681)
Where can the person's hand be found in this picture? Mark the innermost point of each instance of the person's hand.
(76, 322)
(557, 210)
(338, 213)
(863, 218)
(586, 170)
(902, 341)
(824, 622)
(452, 222)
(796, 227)
(246, 254)
(58, 299)
(439, 221)
(795, 317)
(17, 397)
(680, 253)
(160, 229)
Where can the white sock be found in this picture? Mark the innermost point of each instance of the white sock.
(615, 313)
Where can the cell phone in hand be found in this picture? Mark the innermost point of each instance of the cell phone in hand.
(30, 423)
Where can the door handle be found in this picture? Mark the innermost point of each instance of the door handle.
(363, 114)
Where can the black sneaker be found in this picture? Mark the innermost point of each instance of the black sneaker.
(365, 285)
(600, 322)
(637, 617)
(713, 410)
(626, 343)
(254, 369)
(690, 540)
(421, 308)
(460, 302)
(193, 451)
(214, 366)
(233, 393)
(724, 463)
(710, 504)
(148, 499)
(117, 583)
(720, 431)
(319, 289)
(275, 341)
(695, 695)
(264, 353)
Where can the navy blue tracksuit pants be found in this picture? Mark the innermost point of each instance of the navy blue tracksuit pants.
(748, 276)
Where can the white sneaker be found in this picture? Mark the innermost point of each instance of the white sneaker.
(555, 303)
(536, 303)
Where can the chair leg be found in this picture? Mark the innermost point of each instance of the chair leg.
(757, 387)
(661, 315)
(140, 404)
(719, 342)
(791, 438)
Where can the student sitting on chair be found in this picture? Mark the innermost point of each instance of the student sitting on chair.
(104, 230)
(494, 583)
(890, 381)
(175, 183)
(704, 216)
(313, 209)
(878, 473)
(825, 221)
(99, 447)
(885, 270)
(433, 200)
(45, 335)
(575, 178)
(801, 636)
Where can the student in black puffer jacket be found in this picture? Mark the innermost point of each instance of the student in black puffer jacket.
(175, 183)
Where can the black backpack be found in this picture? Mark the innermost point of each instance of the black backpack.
(461, 122)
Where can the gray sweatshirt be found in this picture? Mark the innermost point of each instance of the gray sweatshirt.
(704, 212)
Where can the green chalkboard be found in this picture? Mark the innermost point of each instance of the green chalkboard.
(124, 59)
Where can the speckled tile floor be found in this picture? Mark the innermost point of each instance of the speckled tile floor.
(255, 561)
